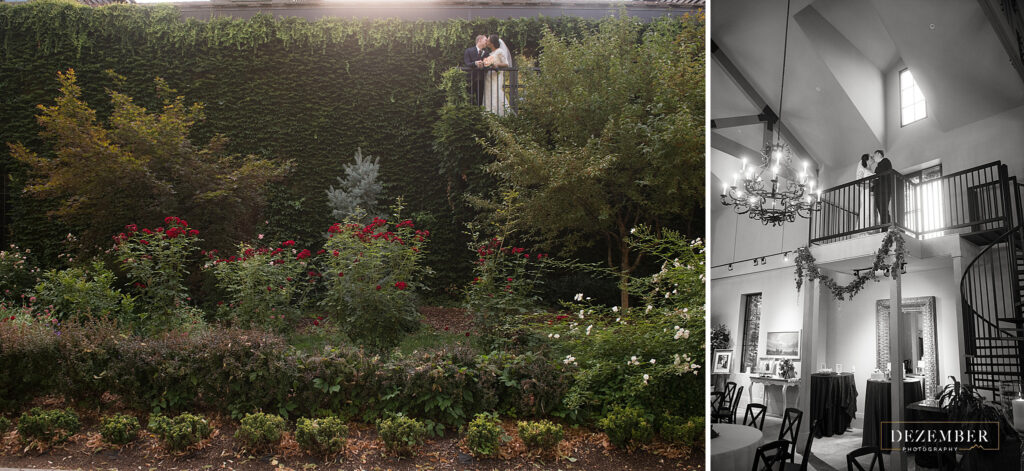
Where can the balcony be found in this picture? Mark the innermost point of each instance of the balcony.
(511, 88)
(976, 203)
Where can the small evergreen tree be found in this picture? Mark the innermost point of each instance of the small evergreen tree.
(358, 192)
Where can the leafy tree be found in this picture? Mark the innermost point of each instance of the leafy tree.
(609, 136)
(140, 165)
(359, 190)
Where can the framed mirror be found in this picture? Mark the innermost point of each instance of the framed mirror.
(919, 354)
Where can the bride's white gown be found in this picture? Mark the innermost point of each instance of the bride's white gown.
(494, 84)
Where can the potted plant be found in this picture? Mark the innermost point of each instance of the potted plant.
(963, 403)
(720, 337)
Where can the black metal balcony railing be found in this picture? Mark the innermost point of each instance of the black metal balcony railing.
(499, 95)
(976, 201)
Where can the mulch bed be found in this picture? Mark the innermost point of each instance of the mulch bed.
(447, 318)
(585, 449)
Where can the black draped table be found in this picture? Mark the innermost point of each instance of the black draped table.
(833, 402)
(878, 409)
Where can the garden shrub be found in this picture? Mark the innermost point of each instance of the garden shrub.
(682, 431)
(265, 287)
(356, 196)
(180, 432)
(649, 356)
(50, 426)
(260, 431)
(540, 435)
(503, 290)
(5, 424)
(119, 429)
(155, 262)
(484, 435)
(627, 427)
(401, 434)
(325, 435)
(18, 274)
(526, 385)
(84, 293)
(371, 274)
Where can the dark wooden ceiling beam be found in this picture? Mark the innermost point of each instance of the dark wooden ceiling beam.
(748, 90)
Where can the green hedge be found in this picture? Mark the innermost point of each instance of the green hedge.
(280, 88)
(239, 372)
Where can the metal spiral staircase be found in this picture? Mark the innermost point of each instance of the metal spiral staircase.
(992, 289)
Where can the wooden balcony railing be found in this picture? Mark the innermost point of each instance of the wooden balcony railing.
(980, 200)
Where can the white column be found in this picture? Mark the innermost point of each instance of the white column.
(896, 341)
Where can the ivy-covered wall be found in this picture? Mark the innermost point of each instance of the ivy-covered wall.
(280, 88)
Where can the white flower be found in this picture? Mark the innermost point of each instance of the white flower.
(581, 314)
(653, 361)
(569, 360)
(632, 231)
(591, 326)
(556, 336)
(615, 309)
(549, 335)
(676, 361)
(646, 377)
(649, 307)
(578, 297)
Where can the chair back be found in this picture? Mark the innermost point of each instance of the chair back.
(791, 429)
(735, 405)
(716, 400)
(807, 447)
(730, 394)
(769, 457)
(754, 416)
(853, 464)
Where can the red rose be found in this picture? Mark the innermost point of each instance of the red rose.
(378, 287)
(193, 232)
(270, 288)
(467, 334)
(316, 322)
(400, 285)
(144, 242)
(288, 243)
(340, 274)
(336, 253)
(303, 254)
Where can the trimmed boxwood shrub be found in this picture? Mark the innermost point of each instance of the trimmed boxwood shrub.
(51, 426)
(540, 435)
(401, 434)
(119, 429)
(627, 427)
(5, 424)
(484, 435)
(325, 435)
(180, 432)
(260, 431)
(682, 431)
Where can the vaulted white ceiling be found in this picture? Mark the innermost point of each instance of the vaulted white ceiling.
(840, 55)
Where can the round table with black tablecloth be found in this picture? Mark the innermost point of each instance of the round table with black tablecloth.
(878, 409)
(833, 402)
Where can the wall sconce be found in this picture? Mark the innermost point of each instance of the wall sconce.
(755, 262)
(785, 257)
(730, 267)
(763, 261)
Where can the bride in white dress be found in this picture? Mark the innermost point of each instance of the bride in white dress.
(866, 212)
(494, 83)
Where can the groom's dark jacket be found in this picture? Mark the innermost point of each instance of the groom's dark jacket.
(476, 76)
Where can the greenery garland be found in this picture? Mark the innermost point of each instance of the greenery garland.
(807, 268)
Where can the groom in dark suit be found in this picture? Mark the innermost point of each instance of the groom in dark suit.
(473, 59)
(882, 187)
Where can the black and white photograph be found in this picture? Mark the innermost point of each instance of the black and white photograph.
(865, 188)
(722, 362)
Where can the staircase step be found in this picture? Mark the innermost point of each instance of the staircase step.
(1008, 338)
(992, 355)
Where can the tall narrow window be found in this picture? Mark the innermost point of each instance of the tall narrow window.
(912, 104)
(751, 328)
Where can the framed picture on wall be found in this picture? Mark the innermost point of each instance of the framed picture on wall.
(783, 344)
(766, 366)
(722, 361)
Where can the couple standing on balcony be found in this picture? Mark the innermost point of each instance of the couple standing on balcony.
(875, 164)
(486, 85)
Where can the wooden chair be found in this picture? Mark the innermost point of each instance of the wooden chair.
(790, 430)
(853, 464)
(754, 415)
(716, 403)
(807, 452)
(769, 457)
